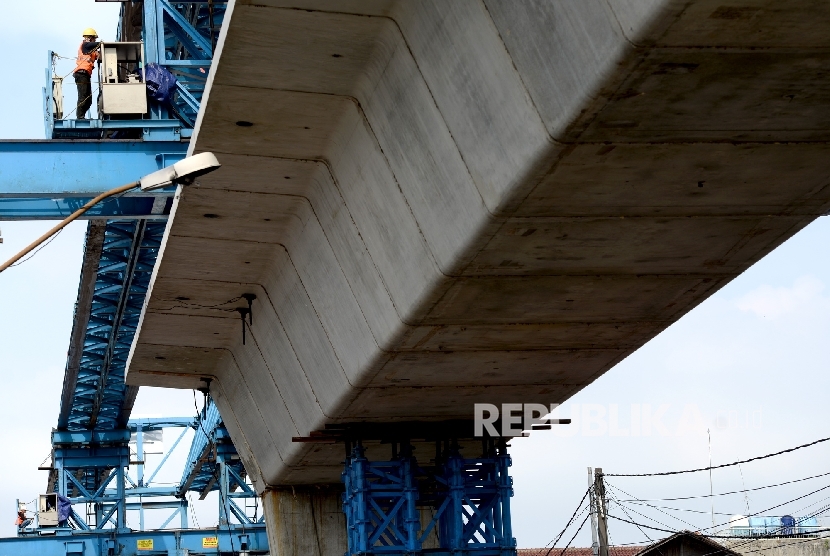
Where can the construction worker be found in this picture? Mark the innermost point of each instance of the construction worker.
(22, 521)
(87, 56)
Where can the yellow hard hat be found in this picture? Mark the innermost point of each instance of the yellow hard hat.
(90, 32)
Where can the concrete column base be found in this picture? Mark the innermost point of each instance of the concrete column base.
(305, 521)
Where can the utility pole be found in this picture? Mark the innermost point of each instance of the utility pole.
(602, 511)
(593, 501)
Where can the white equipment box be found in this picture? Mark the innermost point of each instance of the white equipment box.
(121, 78)
(47, 509)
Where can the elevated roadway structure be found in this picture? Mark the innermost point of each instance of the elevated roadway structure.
(438, 204)
(444, 203)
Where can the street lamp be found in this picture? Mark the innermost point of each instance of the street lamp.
(183, 172)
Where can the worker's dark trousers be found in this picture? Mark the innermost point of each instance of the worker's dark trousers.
(82, 80)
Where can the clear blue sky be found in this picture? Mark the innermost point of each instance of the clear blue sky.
(750, 364)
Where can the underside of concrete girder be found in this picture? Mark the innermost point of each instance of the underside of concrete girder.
(442, 203)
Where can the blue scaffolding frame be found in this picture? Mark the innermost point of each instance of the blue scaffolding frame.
(93, 469)
(468, 503)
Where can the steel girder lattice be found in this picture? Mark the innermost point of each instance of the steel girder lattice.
(214, 464)
(190, 32)
(467, 503)
(126, 263)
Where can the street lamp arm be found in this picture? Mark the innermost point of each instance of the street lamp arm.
(183, 172)
(74, 216)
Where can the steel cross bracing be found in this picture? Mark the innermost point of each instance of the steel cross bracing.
(188, 39)
(117, 459)
(467, 501)
(93, 469)
(213, 464)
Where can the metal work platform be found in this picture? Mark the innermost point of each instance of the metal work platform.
(88, 157)
(178, 36)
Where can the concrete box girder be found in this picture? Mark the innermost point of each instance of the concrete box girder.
(445, 203)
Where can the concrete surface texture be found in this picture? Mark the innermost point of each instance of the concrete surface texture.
(440, 203)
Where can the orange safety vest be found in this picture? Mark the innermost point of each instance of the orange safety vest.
(85, 62)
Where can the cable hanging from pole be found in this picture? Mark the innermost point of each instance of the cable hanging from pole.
(570, 521)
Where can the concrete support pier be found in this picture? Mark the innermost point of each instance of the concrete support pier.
(305, 521)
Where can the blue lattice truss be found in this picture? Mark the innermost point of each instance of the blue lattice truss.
(468, 503)
(214, 465)
(188, 39)
(127, 258)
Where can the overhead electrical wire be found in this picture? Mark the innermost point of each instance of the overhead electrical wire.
(726, 493)
(656, 508)
(770, 508)
(36, 251)
(570, 521)
(665, 473)
(660, 508)
(672, 531)
(620, 506)
(748, 539)
(666, 528)
(701, 530)
(581, 525)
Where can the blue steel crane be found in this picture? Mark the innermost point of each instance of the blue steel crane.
(91, 456)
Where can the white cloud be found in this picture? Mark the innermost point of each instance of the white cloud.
(770, 302)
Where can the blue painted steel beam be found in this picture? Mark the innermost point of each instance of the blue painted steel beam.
(166, 129)
(121, 436)
(65, 169)
(159, 423)
(156, 207)
(46, 180)
(230, 540)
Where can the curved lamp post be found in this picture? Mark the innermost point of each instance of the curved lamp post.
(183, 172)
